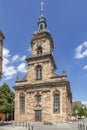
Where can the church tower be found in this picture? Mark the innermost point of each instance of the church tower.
(42, 48)
(42, 95)
(1, 52)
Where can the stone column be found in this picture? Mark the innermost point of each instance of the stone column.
(1, 52)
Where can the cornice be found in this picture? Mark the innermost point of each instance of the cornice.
(45, 55)
(48, 84)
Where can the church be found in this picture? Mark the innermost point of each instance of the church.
(42, 95)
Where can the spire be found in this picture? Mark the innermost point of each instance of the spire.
(42, 20)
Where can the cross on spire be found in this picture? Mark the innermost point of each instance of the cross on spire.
(42, 9)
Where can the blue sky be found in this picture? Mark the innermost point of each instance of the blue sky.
(66, 21)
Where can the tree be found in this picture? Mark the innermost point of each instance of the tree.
(79, 110)
(86, 111)
(75, 110)
(6, 99)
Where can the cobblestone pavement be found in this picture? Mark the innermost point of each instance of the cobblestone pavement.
(57, 126)
(36, 128)
(40, 126)
(12, 128)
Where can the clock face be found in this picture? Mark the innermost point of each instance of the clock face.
(39, 44)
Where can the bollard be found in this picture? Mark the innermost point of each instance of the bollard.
(19, 123)
(15, 123)
(23, 124)
(31, 127)
(86, 127)
(83, 127)
(80, 126)
(26, 125)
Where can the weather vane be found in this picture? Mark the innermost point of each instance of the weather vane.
(42, 9)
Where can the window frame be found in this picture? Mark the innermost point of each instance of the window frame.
(56, 103)
(39, 50)
(38, 72)
(22, 103)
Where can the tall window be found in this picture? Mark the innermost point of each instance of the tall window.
(38, 72)
(39, 50)
(22, 103)
(41, 27)
(56, 103)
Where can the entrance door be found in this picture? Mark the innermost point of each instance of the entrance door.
(38, 115)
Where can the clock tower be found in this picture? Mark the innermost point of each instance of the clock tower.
(42, 53)
(42, 95)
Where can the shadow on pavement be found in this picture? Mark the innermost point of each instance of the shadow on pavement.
(4, 123)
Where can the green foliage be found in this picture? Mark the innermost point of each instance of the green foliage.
(75, 110)
(79, 110)
(6, 99)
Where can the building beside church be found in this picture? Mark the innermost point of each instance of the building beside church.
(42, 95)
(1, 52)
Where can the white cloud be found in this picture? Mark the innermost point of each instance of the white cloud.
(22, 58)
(9, 72)
(85, 67)
(81, 51)
(15, 58)
(10, 68)
(6, 53)
(5, 61)
(84, 103)
(22, 68)
(29, 50)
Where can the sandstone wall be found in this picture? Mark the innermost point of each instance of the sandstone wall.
(46, 105)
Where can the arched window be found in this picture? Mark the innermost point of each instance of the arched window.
(38, 72)
(56, 103)
(41, 27)
(39, 50)
(22, 103)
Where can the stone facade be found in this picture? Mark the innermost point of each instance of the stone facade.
(46, 105)
(40, 85)
(1, 52)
